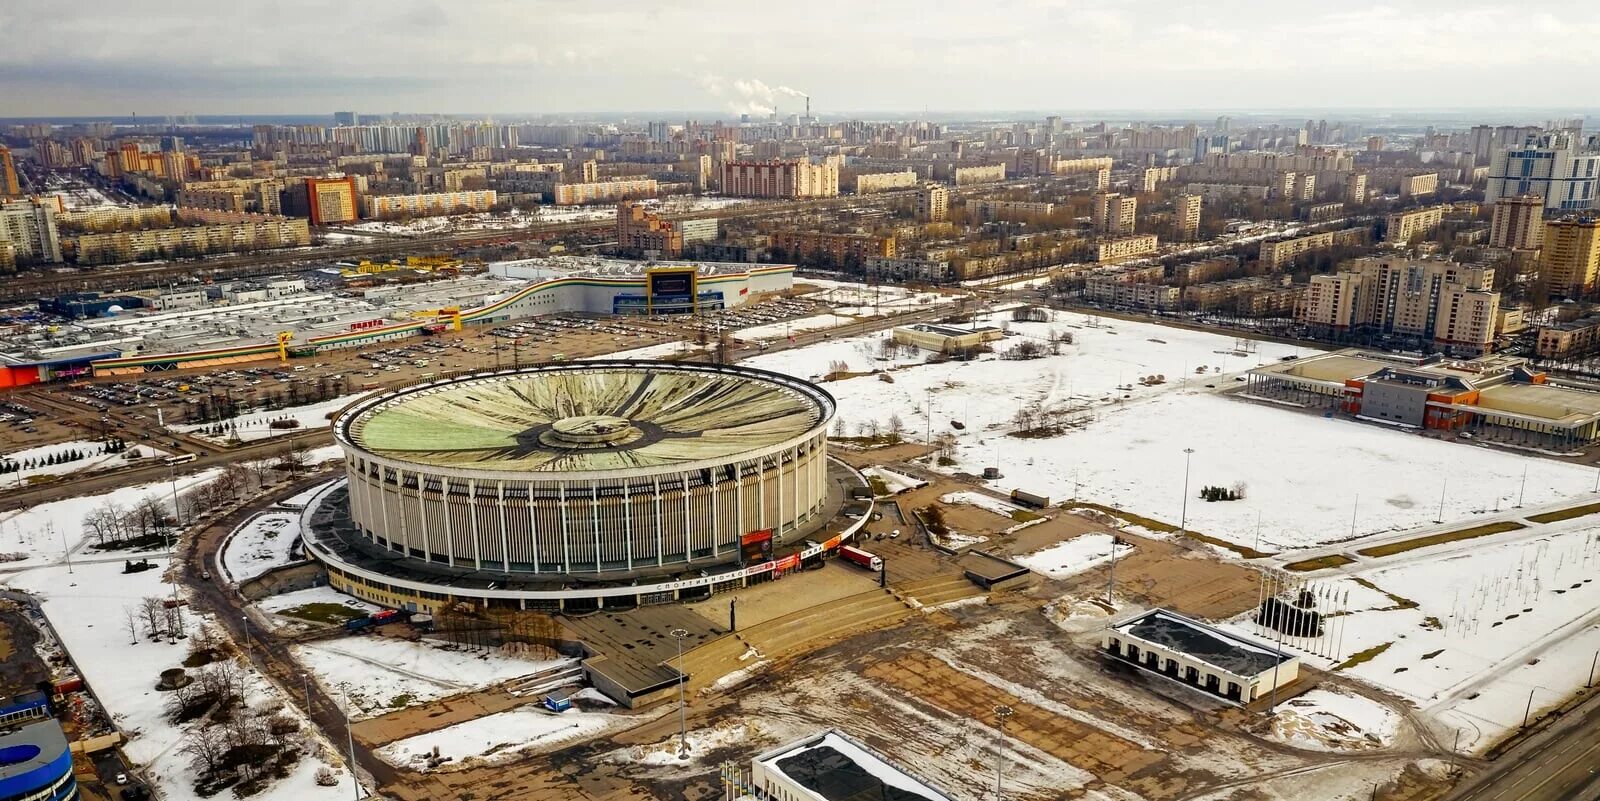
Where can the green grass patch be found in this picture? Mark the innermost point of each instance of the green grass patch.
(402, 701)
(1319, 563)
(879, 487)
(1363, 657)
(1399, 602)
(1025, 516)
(327, 613)
(1566, 514)
(1458, 535)
(1167, 528)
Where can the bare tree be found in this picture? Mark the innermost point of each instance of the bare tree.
(204, 749)
(896, 428)
(841, 429)
(130, 622)
(154, 614)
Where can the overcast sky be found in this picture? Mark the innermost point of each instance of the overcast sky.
(505, 56)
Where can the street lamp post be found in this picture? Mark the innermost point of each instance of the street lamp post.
(683, 728)
(1183, 517)
(1001, 712)
(249, 648)
(350, 742)
(305, 681)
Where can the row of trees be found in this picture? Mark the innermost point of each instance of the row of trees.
(62, 457)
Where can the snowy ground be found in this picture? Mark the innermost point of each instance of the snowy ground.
(85, 608)
(257, 425)
(1333, 720)
(773, 331)
(658, 351)
(862, 300)
(315, 595)
(981, 501)
(699, 743)
(896, 481)
(1468, 632)
(1123, 441)
(379, 674)
(501, 736)
(1073, 556)
(41, 533)
(98, 461)
(260, 544)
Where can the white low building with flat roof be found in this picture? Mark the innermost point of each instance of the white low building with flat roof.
(1203, 656)
(830, 766)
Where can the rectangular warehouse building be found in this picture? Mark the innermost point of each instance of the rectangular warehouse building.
(1201, 655)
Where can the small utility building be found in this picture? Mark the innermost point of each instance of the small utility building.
(1221, 663)
(830, 766)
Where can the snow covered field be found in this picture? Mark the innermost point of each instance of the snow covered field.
(894, 480)
(981, 501)
(97, 461)
(85, 609)
(1122, 445)
(1073, 556)
(315, 595)
(501, 736)
(861, 300)
(379, 674)
(257, 425)
(41, 532)
(260, 544)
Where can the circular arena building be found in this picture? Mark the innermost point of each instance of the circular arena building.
(601, 471)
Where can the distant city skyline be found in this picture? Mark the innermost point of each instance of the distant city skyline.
(294, 56)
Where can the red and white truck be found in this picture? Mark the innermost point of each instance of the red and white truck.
(860, 557)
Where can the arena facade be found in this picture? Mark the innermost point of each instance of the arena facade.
(558, 481)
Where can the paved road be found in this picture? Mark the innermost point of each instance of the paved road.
(1560, 763)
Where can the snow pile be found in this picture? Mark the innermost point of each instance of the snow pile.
(315, 595)
(260, 544)
(895, 481)
(498, 737)
(699, 743)
(1073, 556)
(379, 674)
(982, 501)
(1330, 720)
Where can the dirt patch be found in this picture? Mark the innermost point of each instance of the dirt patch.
(1566, 514)
(1319, 563)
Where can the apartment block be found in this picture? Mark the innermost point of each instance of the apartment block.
(839, 248)
(1419, 185)
(991, 210)
(1110, 291)
(111, 218)
(1205, 270)
(1569, 260)
(1442, 302)
(983, 174)
(378, 207)
(603, 191)
(1152, 177)
(640, 231)
(1420, 222)
(1186, 216)
(869, 183)
(1126, 247)
(1214, 192)
(9, 185)
(933, 203)
(1275, 255)
(704, 229)
(1215, 294)
(1518, 223)
(779, 179)
(234, 232)
(29, 231)
(1548, 165)
(1082, 166)
(1578, 337)
(1113, 213)
(331, 200)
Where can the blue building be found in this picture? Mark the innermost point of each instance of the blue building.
(35, 762)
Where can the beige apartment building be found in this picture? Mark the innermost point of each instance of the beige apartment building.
(331, 200)
(1082, 166)
(1355, 187)
(992, 210)
(1213, 192)
(981, 174)
(1448, 304)
(379, 207)
(604, 191)
(933, 203)
(1518, 223)
(1579, 337)
(1186, 216)
(1113, 213)
(1152, 177)
(111, 218)
(780, 179)
(1404, 225)
(1205, 270)
(1417, 185)
(868, 183)
(1125, 247)
(1570, 259)
(1133, 294)
(218, 232)
(1277, 254)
